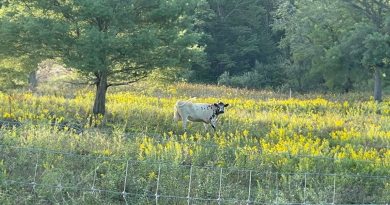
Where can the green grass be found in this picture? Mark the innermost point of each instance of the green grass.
(285, 150)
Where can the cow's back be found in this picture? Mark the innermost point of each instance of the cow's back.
(184, 107)
(200, 112)
(196, 112)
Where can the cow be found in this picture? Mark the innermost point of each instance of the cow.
(198, 112)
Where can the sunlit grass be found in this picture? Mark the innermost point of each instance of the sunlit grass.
(263, 131)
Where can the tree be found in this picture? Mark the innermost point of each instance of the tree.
(111, 42)
(311, 29)
(346, 58)
(375, 56)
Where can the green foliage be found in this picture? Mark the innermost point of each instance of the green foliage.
(312, 29)
(237, 35)
(17, 58)
(335, 40)
(262, 76)
(346, 60)
(378, 50)
(319, 45)
(110, 42)
(14, 73)
(374, 14)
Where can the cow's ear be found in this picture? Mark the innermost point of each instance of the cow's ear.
(226, 105)
(216, 104)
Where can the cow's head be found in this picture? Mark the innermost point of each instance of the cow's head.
(220, 107)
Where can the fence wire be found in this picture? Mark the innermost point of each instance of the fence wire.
(38, 176)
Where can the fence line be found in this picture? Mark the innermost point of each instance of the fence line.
(158, 138)
(195, 166)
(61, 188)
(130, 194)
(158, 195)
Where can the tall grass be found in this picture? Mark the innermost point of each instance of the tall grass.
(261, 131)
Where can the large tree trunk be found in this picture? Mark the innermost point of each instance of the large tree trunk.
(99, 106)
(378, 86)
(32, 79)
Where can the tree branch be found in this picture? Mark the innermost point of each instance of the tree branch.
(66, 15)
(219, 9)
(78, 83)
(365, 10)
(383, 5)
(126, 70)
(239, 3)
(307, 37)
(373, 9)
(97, 75)
(127, 82)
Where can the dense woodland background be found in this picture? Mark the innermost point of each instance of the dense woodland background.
(305, 45)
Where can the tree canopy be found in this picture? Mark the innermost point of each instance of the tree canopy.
(305, 45)
(111, 42)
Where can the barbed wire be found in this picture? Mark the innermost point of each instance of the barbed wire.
(158, 138)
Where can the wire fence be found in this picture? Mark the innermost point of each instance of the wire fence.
(159, 138)
(45, 176)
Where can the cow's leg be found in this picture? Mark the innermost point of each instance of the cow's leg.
(213, 126)
(176, 115)
(184, 120)
(212, 122)
(206, 126)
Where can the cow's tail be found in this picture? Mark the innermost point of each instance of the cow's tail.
(181, 103)
(176, 113)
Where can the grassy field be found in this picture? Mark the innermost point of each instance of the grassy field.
(267, 148)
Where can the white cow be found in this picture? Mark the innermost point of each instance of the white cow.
(198, 112)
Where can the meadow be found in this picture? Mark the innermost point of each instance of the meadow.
(268, 148)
